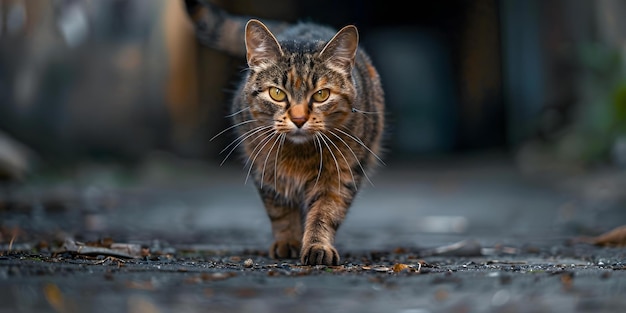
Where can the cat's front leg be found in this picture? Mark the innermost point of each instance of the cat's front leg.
(322, 221)
(286, 223)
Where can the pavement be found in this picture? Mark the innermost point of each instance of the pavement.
(465, 234)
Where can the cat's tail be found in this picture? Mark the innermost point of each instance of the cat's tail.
(220, 30)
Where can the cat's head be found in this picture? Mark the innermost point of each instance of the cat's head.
(300, 88)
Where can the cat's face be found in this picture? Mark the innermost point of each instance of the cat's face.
(301, 102)
(300, 92)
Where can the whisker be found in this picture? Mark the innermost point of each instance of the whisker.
(359, 141)
(231, 127)
(343, 156)
(319, 171)
(267, 157)
(250, 134)
(355, 110)
(336, 163)
(353, 154)
(265, 140)
(238, 112)
(280, 145)
(267, 135)
(366, 114)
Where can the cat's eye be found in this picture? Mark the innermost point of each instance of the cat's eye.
(276, 94)
(321, 95)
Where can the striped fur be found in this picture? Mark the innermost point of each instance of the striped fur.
(309, 151)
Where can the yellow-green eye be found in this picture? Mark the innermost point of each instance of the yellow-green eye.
(321, 95)
(277, 94)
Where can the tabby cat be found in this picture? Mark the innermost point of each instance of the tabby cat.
(309, 115)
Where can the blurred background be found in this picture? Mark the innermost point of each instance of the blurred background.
(541, 82)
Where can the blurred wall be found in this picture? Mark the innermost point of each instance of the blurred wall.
(564, 76)
(119, 79)
(83, 78)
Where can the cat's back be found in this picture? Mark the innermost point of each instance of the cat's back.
(303, 37)
(306, 31)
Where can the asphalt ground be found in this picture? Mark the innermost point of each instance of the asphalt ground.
(477, 234)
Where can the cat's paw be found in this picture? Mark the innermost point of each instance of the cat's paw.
(320, 254)
(285, 249)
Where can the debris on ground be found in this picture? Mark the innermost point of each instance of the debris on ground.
(613, 238)
(105, 248)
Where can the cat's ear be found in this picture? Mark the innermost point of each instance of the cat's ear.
(261, 46)
(341, 49)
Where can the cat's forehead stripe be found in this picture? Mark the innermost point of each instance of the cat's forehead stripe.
(298, 82)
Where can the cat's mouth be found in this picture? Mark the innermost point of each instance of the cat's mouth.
(299, 135)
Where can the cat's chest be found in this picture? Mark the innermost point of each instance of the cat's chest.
(294, 171)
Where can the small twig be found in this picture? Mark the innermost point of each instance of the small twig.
(112, 259)
(13, 236)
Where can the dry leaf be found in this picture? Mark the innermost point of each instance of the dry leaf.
(120, 250)
(613, 238)
(55, 297)
(567, 280)
(399, 267)
(102, 243)
(138, 304)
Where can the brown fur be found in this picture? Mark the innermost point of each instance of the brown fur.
(308, 156)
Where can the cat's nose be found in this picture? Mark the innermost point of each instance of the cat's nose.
(298, 121)
(299, 115)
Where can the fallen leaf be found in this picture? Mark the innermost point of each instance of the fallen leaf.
(120, 250)
(399, 267)
(567, 280)
(138, 304)
(55, 297)
(613, 238)
(273, 273)
(103, 243)
(399, 250)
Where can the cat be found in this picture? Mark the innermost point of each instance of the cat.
(309, 116)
